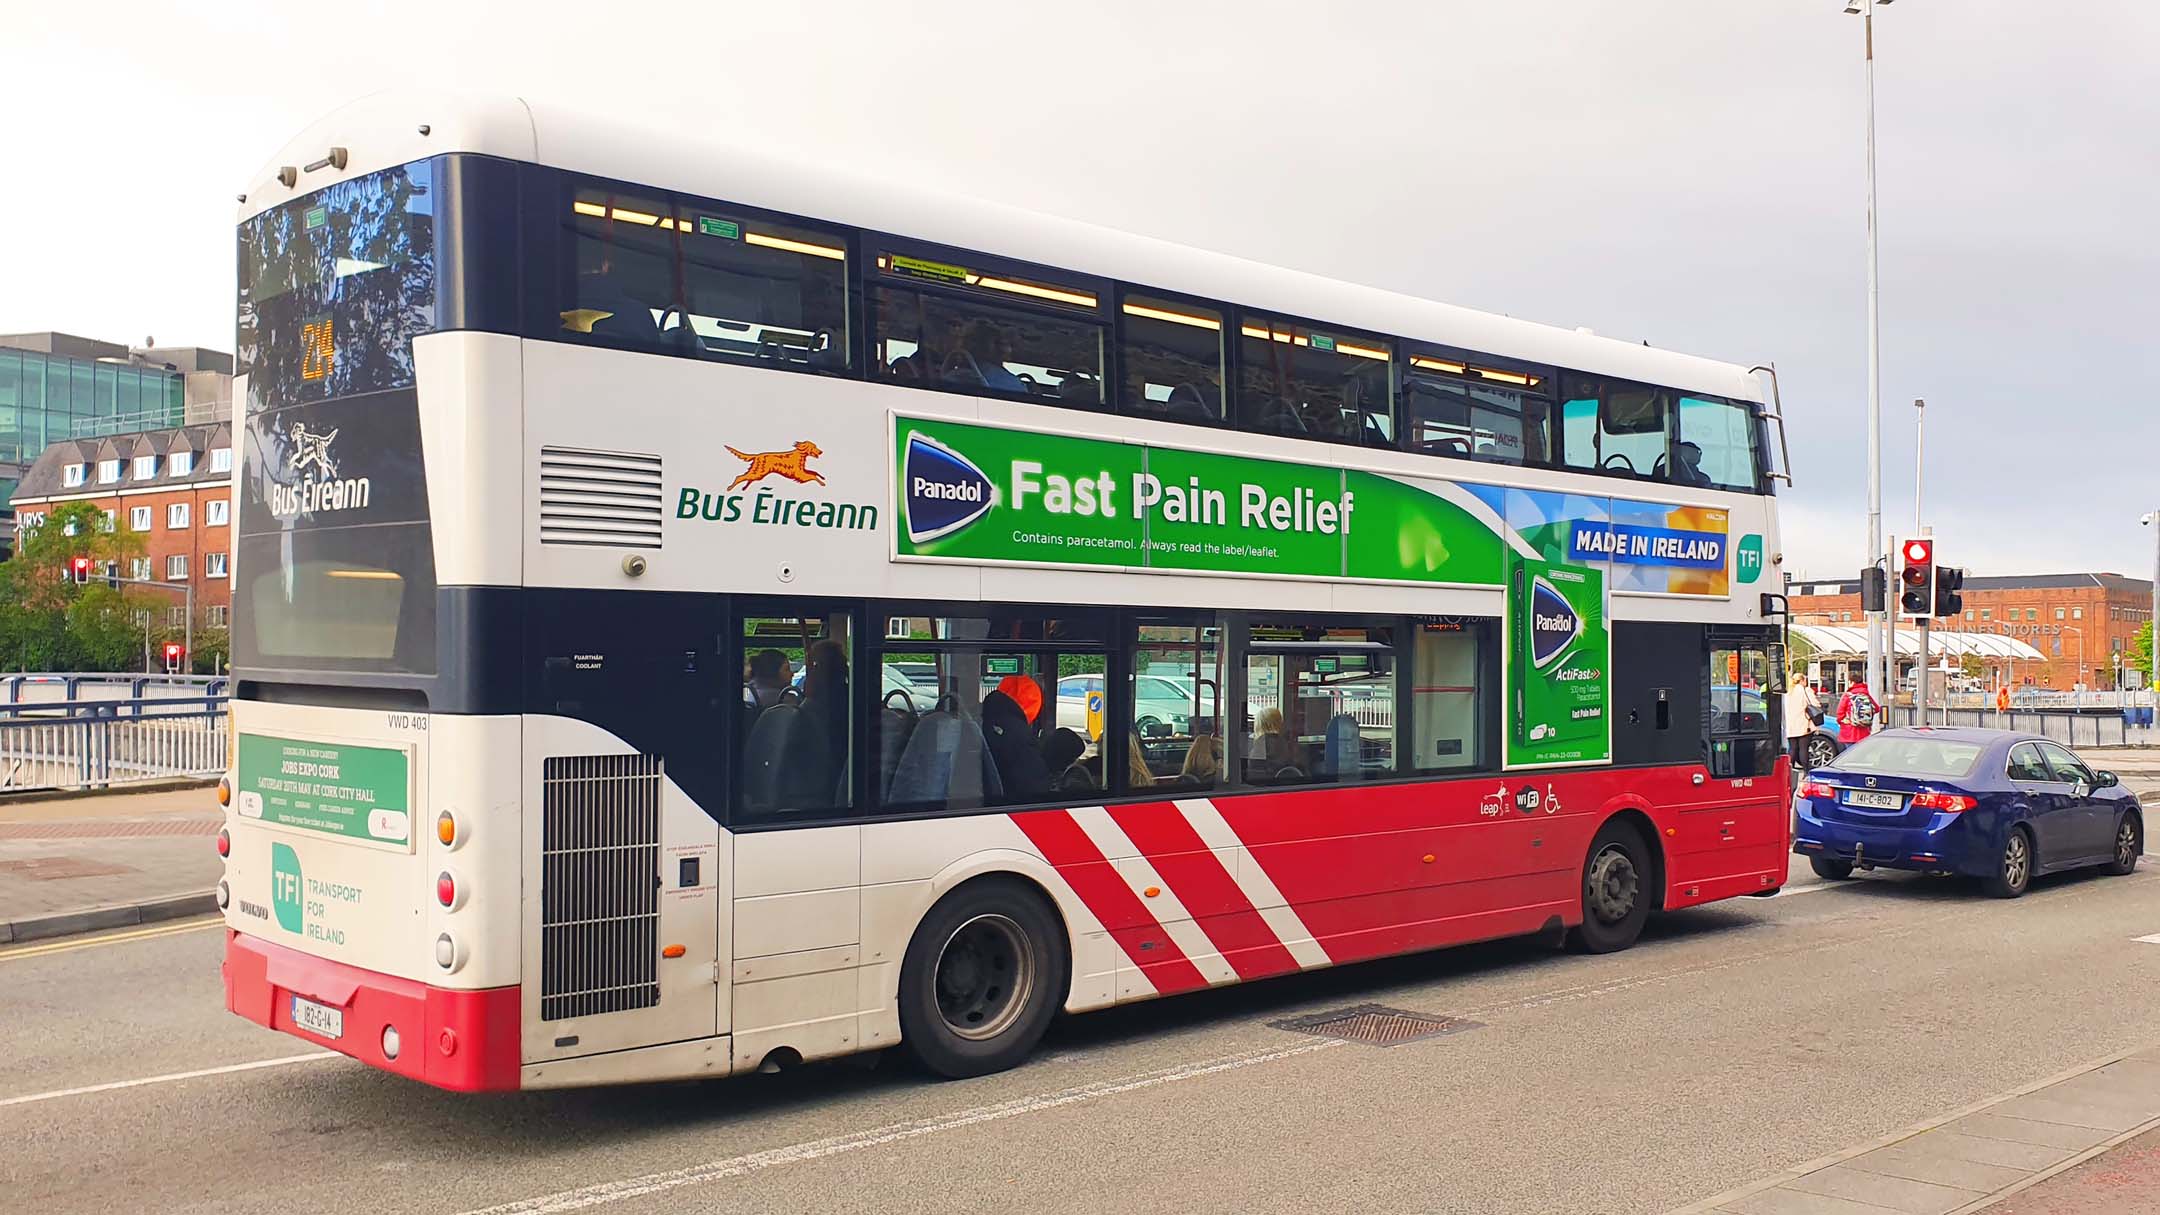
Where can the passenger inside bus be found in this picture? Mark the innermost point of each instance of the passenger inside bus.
(1203, 763)
(1272, 751)
(768, 676)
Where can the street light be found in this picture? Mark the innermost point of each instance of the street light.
(1865, 9)
(2152, 520)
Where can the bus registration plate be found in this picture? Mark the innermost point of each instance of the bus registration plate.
(318, 1019)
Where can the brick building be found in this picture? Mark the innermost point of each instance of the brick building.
(2082, 623)
(171, 487)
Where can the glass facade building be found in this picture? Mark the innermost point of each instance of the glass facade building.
(45, 398)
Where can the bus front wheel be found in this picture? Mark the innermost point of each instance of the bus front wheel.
(1616, 890)
(982, 977)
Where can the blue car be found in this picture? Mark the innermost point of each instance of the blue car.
(1992, 804)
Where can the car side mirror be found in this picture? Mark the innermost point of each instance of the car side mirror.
(2106, 780)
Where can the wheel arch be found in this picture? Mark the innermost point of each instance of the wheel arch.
(1637, 815)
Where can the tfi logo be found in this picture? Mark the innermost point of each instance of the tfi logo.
(285, 887)
(1554, 624)
(943, 490)
(1747, 559)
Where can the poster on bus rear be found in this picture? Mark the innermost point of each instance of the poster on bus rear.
(1558, 665)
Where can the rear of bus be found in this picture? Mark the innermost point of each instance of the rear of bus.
(368, 910)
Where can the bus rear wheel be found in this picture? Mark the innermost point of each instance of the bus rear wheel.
(1616, 890)
(982, 977)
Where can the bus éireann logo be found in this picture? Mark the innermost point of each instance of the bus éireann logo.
(944, 490)
(794, 464)
(314, 484)
(1554, 624)
(311, 449)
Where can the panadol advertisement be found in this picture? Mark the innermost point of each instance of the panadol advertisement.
(977, 493)
(1558, 658)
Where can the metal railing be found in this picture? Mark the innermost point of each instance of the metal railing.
(97, 744)
(2068, 728)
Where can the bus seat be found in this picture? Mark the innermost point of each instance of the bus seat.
(1340, 755)
(945, 763)
(1011, 741)
(896, 725)
(1186, 402)
(765, 756)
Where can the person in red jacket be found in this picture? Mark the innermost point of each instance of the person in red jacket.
(1857, 713)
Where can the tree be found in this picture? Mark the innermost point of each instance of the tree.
(2141, 652)
(48, 621)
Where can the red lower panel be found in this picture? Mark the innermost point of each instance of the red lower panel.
(461, 1040)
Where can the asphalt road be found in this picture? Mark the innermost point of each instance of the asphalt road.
(1735, 1041)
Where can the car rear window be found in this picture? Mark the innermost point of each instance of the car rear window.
(1911, 755)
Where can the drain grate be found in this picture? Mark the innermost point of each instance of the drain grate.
(1375, 1025)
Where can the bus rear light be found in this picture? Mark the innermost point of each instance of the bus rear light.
(224, 842)
(1943, 803)
(390, 1042)
(446, 890)
(446, 828)
(224, 895)
(447, 954)
(224, 791)
(673, 951)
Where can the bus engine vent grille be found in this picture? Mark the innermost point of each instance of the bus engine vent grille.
(604, 499)
(599, 885)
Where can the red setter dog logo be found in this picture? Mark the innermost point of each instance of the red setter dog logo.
(794, 464)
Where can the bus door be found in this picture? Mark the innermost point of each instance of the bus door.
(626, 906)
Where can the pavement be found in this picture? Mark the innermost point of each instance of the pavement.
(1988, 1154)
(1737, 1043)
(78, 864)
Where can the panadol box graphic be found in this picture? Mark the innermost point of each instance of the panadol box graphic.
(943, 491)
(1554, 624)
(1559, 659)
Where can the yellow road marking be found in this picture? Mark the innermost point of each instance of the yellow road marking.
(41, 949)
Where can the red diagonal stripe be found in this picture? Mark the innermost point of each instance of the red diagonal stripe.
(1218, 905)
(1106, 893)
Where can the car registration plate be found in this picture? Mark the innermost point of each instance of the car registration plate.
(319, 1019)
(1873, 800)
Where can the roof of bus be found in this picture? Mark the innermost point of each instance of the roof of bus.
(393, 128)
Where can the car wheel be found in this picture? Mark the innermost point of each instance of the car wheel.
(1818, 752)
(1830, 868)
(2129, 845)
(2013, 869)
(1616, 891)
(981, 979)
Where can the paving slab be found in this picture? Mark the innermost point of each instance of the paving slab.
(1896, 1193)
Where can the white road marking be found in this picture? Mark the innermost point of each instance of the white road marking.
(816, 1149)
(169, 1078)
(2149, 939)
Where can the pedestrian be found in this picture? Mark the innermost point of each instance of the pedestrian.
(1857, 711)
(1802, 710)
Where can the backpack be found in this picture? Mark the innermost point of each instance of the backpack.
(1862, 710)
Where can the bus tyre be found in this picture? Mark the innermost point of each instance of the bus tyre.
(2129, 844)
(2013, 869)
(1830, 869)
(983, 975)
(1616, 890)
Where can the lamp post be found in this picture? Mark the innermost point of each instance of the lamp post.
(1865, 10)
(2078, 678)
(2152, 520)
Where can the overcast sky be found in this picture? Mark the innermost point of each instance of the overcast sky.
(1687, 172)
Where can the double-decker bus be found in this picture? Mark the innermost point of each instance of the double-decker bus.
(698, 614)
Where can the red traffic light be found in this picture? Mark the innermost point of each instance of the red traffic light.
(82, 565)
(173, 651)
(1919, 552)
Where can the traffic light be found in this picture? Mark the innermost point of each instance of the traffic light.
(174, 652)
(1949, 581)
(1916, 579)
(1871, 589)
(79, 569)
